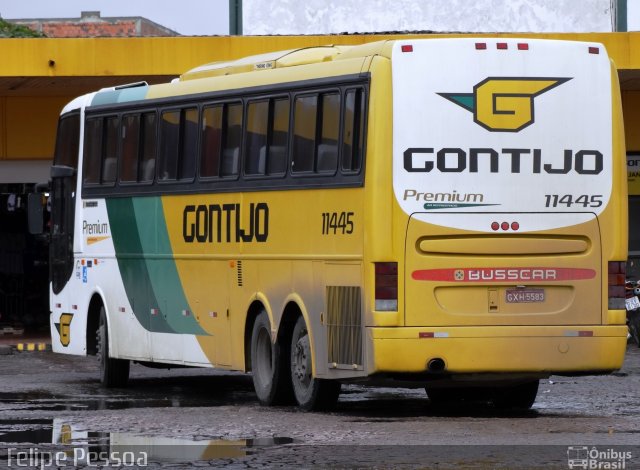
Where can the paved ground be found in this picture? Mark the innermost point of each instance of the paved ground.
(188, 418)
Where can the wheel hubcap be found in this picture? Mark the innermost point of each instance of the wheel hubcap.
(302, 361)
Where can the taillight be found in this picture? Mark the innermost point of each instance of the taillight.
(386, 287)
(617, 275)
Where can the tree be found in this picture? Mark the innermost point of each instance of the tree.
(11, 30)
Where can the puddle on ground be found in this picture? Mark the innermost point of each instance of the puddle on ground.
(42, 401)
(71, 444)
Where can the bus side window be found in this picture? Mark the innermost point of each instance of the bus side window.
(169, 142)
(267, 137)
(130, 137)
(211, 141)
(279, 138)
(110, 157)
(255, 144)
(148, 151)
(232, 139)
(353, 131)
(330, 127)
(92, 151)
(304, 133)
(189, 139)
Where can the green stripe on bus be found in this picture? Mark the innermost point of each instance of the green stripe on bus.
(163, 273)
(132, 265)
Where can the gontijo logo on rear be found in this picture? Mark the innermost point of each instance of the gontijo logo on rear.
(520, 133)
(504, 104)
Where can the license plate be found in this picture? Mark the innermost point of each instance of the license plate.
(632, 303)
(524, 296)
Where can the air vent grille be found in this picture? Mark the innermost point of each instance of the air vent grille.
(344, 326)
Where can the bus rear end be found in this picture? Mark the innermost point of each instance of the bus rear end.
(508, 169)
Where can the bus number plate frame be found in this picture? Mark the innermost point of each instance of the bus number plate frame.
(524, 296)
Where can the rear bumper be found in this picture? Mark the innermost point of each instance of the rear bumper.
(506, 349)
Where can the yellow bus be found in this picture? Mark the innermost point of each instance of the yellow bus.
(446, 211)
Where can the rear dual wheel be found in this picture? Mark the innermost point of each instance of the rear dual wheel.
(312, 394)
(282, 370)
(269, 365)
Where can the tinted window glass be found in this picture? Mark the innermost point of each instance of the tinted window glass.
(92, 150)
(211, 140)
(353, 131)
(277, 162)
(110, 157)
(327, 151)
(68, 141)
(169, 145)
(232, 140)
(148, 139)
(304, 133)
(256, 138)
(130, 138)
(189, 143)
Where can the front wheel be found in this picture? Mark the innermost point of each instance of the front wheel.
(113, 372)
(312, 394)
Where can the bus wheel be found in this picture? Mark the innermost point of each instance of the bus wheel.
(113, 372)
(515, 397)
(310, 393)
(269, 365)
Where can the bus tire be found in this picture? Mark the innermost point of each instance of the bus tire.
(269, 365)
(515, 397)
(312, 394)
(113, 372)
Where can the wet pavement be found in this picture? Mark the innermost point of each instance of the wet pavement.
(53, 407)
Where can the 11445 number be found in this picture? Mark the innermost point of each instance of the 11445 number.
(337, 222)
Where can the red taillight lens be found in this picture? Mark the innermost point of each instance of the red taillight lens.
(617, 293)
(386, 285)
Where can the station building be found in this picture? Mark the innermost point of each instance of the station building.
(39, 76)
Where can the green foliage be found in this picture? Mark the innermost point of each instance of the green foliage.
(10, 30)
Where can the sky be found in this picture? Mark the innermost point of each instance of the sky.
(187, 17)
(633, 15)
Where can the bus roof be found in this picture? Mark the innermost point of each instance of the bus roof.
(286, 58)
